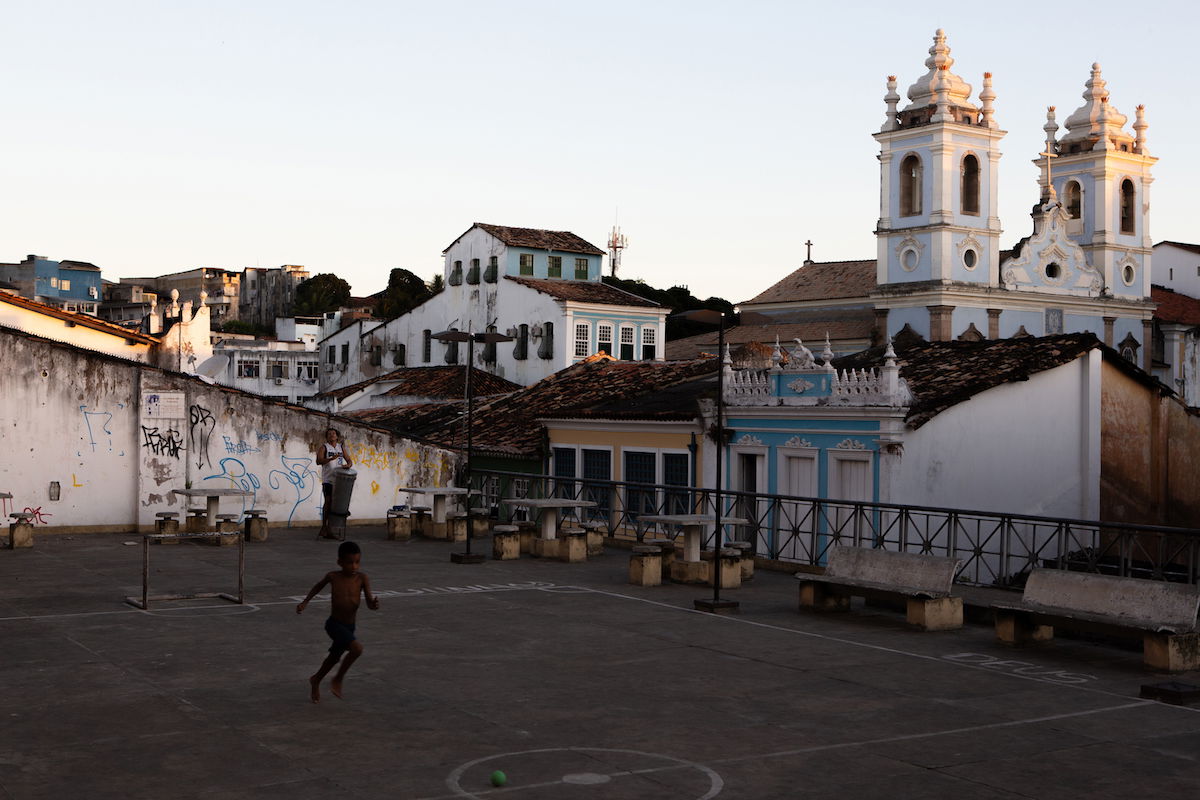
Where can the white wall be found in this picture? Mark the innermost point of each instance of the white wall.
(1021, 448)
(86, 422)
(1185, 266)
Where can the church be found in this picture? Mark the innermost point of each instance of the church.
(941, 270)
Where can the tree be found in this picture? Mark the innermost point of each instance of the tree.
(437, 284)
(677, 298)
(404, 292)
(240, 326)
(320, 293)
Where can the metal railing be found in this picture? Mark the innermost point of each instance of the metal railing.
(997, 550)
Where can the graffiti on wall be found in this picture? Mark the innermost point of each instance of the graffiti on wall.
(98, 431)
(297, 472)
(240, 447)
(39, 516)
(167, 442)
(234, 471)
(200, 427)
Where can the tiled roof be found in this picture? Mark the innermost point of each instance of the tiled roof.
(536, 238)
(507, 425)
(447, 381)
(585, 292)
(828, 280)
(840, 325)
(82, 320)
(1195, 248)
(944, 374)
(1175, 307)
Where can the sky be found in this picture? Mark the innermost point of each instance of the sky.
(354, 137)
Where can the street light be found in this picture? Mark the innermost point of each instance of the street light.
(470, 338)
(712, 317)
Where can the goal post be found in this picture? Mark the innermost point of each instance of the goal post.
(143, 602)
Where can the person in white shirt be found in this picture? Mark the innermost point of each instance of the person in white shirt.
(331, 455)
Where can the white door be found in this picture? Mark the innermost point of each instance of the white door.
(850, 481)
(796, 523)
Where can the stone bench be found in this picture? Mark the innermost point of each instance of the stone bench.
(399, 524)
(1162, 614)
(572, 547)
(254, 525)
(529, 531)
(166, 522)
(506, 542)
(731, 567)
(667, 548)
(197, 520)
(595, 536)
(645, 565)
(456, 526)
(20, 530)
(746, 558)
(922, 581)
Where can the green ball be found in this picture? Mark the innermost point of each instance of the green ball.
(499, 778)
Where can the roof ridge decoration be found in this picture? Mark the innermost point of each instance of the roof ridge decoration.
(1097, 119)
(939, 85)
(1051, 259)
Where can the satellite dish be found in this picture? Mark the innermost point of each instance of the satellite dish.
(213, 367)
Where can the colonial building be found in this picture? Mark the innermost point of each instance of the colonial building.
(542, 288)
(267, 293)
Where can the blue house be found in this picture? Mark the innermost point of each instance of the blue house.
(68, 285)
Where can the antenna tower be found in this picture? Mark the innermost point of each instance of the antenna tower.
(616, 243)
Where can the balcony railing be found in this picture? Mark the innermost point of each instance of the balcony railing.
(997, 550)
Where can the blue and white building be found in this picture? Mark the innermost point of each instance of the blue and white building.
(66, 285)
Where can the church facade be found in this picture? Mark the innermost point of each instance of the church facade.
(941, 270)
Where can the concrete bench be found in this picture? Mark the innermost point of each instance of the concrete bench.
(20, 530)
(572, 546)
(197, 520)
(254, 526)
(1163, 614)
(746, 559)
(456, 526)
(166, 522)
(645, 565)
(506, 542)
(595, 536)
(922, 581)
(667, 547)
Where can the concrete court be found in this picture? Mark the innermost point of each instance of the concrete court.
(574, 683)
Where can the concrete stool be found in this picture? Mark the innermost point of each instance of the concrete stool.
(529, 532)
(197, 520)
(20, 532)
(731, 568)
(645, 566)
(228, 527)
(420, 521)
(595, 537)
(747, 558)
(456, 526)
(506, 542)
(667, 546)
(481, 524)
(399, 524)
(254, 528)
(573, 547)
(166, 522)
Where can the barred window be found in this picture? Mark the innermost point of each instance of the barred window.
(583, 333)
(648, 337)
(626, 343)
(604, 338)
(248, 369)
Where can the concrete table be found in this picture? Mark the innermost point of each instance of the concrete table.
(440, 494)
(213, 497)
(693, 528)
(548, 508)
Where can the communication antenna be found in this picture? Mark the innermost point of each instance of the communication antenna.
(616, 243)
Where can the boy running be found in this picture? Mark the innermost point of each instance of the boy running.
(346, 586)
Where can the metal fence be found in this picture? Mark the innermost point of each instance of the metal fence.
(996, 549)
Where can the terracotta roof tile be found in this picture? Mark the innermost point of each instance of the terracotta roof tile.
(585, 292)
(447, 381)
(852, 325)
(944, 374)
(826, 280)
(83, 320)
(1175, 307)
(538, 239)
(507, 425)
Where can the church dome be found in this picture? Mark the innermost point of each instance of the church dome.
(1096, 117)
(939, 77)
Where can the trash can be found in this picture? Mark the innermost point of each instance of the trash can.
(343, 489)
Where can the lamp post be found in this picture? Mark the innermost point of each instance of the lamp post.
(712, 317)
(470, 338)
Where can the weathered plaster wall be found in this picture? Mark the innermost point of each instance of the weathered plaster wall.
(1130, 478)
(117, 437)
(1183, 466)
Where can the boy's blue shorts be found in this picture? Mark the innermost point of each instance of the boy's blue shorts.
(342, 635)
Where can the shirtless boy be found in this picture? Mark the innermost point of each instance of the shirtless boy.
(346, 586)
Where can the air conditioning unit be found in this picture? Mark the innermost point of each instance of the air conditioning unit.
(511, 332)
(279, 381)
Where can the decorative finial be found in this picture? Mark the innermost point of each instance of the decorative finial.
(889, 355)
(941, 93)
(203, 296)
(892, 99)
(1139, 127)
(1051, 129)
(986, 96)
(827, 353)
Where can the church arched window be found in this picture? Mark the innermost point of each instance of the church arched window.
(970, 185)
(910, 186)
(1074, 200)
(1128, 199)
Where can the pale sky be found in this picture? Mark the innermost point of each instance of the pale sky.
(354, 137)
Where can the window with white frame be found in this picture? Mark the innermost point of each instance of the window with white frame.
(604, 338)
(277, 369)
(247, 368)
(306, 370)
(65, 285)
(626, 343)
(648, 340)
(583, 334)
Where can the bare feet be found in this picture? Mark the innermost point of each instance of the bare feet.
(315, 694)
(335, 686)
